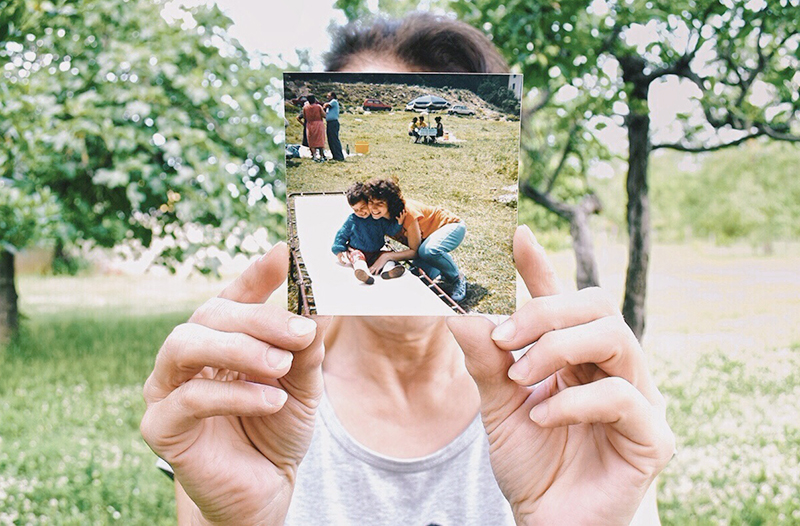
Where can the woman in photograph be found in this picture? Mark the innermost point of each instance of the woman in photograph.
(314, 116)
(405, 421)
(429, 232)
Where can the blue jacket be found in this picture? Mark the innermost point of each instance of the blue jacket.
(364, 234)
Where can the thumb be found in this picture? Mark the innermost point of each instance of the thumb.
(488, 365)
(304, 379)
(261, 278)
(532, 263)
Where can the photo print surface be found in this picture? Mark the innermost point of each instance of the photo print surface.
(402, 192)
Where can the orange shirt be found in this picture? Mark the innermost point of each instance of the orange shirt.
(430, 218)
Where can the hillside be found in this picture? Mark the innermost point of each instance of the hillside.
(352, 96)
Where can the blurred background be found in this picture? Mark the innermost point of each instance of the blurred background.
(141, 167)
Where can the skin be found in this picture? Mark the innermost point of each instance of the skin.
(414, 234)
(234, 415)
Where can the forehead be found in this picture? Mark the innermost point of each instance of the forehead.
(370, 62)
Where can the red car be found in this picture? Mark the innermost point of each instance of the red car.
(375, 105)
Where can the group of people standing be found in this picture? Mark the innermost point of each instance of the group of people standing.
(419, 122)
(319, 121)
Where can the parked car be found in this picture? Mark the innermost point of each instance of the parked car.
(375, 105)
(427, 103)
(460, 109)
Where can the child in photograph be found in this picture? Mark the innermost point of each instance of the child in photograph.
(361, 238)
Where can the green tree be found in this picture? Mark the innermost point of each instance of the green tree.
(119, 126)
(597, 63)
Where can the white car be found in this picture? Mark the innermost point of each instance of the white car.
(460, 110)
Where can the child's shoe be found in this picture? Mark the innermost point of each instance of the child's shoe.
(363, 275)
(394, 272)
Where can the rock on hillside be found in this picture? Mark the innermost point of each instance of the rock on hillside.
(352, 96)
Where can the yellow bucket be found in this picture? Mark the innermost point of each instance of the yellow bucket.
(362, 147)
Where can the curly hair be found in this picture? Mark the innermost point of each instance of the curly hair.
(357, 193)
(388, 191)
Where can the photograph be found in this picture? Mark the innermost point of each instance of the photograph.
(401, 192)
(407, 262)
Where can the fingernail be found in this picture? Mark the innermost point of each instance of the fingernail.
(505, 331)
(531, 236)
(274, 397)
(278, 359)
(300, 326)
(539, 413)
(519, 371)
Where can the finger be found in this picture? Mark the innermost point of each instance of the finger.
(304, 379)
(532, 264)
(488, 365)
(266, 322)
(606, 342)
(551, 313)
(613, 401)
(200, 398)
(191, 347)
(261, 278)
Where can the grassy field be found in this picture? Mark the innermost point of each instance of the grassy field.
(723, 341)
(470, 177)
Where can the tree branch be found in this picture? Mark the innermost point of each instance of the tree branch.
(567, 150)
(700, 149)
(561, 209)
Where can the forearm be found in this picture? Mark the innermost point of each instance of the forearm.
(402, 255)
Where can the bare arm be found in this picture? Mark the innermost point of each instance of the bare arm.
(414, 240)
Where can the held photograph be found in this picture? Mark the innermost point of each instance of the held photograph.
(401, 192)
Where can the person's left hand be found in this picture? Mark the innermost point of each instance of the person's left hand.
(585, 444)
(383, 259)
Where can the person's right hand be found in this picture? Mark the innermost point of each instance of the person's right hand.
(232, 399)
(584, 445)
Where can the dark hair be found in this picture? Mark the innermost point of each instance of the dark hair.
(424, 41)
(437, 119)
(357, 193)
(312, 99)
(333, 94)
(388, 191)
(415, 119)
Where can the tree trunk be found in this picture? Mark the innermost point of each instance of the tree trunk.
(633, 308)
(578, 217)
(9, 318)
(585, 264)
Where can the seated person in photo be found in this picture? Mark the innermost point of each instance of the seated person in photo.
(361, 238)
(412, 129)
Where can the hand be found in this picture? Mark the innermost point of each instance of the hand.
(343, 259)
(584, 445)
(376, 267)
(232, 398)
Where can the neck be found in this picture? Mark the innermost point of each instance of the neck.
(398, 384)
(409, 351)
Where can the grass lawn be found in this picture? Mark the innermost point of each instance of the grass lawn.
(468, 177)
(723, 342)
